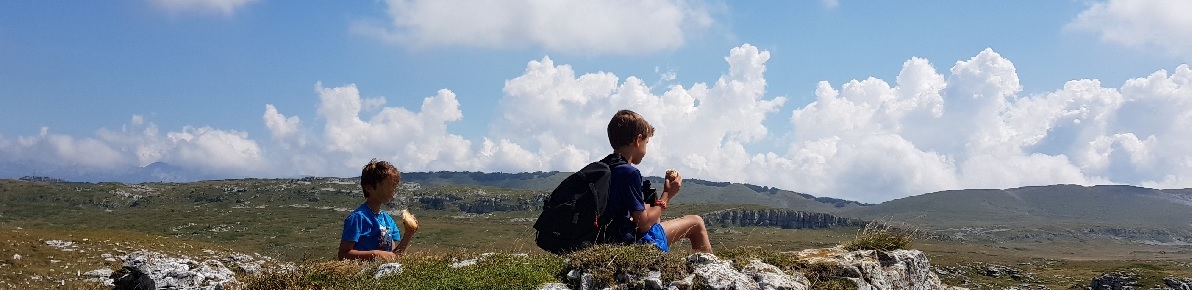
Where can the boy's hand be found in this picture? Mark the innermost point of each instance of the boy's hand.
(383, 255)
(674, 182)
(409, 221)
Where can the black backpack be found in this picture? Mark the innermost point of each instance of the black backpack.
(571, 216)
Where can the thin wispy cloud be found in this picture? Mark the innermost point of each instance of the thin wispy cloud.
(569, 26)
(224, 7)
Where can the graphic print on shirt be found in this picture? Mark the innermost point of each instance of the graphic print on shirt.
(385, 240)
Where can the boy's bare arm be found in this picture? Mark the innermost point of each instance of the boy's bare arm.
(646, 219)
(346, 252)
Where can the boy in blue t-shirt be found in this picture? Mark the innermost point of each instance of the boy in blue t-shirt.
(370, 233)
(633, 219)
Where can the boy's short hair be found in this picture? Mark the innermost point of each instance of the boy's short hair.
(625, 126)
(376, 172)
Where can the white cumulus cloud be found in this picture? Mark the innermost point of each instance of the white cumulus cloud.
(1147, 24)
(137, 144)
(414, 141)
(968, 126)
(614, 27)
(562, 117)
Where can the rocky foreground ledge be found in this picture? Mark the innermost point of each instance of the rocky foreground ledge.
(865, 269)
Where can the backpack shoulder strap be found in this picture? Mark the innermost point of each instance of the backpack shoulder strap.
(614, 160)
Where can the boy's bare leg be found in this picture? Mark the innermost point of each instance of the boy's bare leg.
(690, 227)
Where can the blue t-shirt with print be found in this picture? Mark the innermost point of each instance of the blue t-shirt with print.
(625, 197)
(370, 231)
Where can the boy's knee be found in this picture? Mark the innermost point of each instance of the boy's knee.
(698, 221)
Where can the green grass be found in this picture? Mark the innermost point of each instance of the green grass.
(420, 271)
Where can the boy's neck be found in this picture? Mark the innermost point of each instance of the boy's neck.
(373, 205)
(623, 151)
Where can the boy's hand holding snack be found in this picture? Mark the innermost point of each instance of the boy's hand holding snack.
(674, 182)
(409, 221)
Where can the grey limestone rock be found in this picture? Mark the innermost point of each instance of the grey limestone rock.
(388, 269)
(713, 273)
(1178, 283)
(553, 286)
(769, 277)
(898, 269)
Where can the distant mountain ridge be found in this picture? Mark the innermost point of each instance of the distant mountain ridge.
(153, 172)
(1102, 205)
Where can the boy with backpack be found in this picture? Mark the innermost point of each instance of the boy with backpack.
(609, 202)
(635, 219)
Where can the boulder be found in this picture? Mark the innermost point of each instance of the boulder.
(869, 269)
(1178, 283)
(1115, 281)
(713, 273)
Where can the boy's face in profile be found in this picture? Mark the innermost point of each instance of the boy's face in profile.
(637, 149)
(385, 191)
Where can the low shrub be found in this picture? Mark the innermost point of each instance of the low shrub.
(882, 236)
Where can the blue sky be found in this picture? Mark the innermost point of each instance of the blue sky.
(948, 94)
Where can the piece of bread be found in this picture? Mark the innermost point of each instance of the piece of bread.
(670, 173)
(408, 220)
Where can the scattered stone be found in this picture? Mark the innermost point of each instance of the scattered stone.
(388, 269)
(464, 263)
(16, 257)
(553, 286)
(654, 280)
(67, 246)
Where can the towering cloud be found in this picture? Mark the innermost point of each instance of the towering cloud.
(970, 126)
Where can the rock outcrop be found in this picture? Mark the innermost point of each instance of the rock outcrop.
(866, 269)
(783, 218)
(170, 272)
(1131, 281)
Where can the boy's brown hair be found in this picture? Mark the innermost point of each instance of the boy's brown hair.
(625, 126)
(376, 172)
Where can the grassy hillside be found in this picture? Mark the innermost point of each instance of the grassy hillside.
(300, 220)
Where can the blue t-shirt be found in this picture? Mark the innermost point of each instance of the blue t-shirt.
(370, 231)
(625, 197)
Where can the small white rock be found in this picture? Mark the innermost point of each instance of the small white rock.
(387, 270)
(16, 257)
